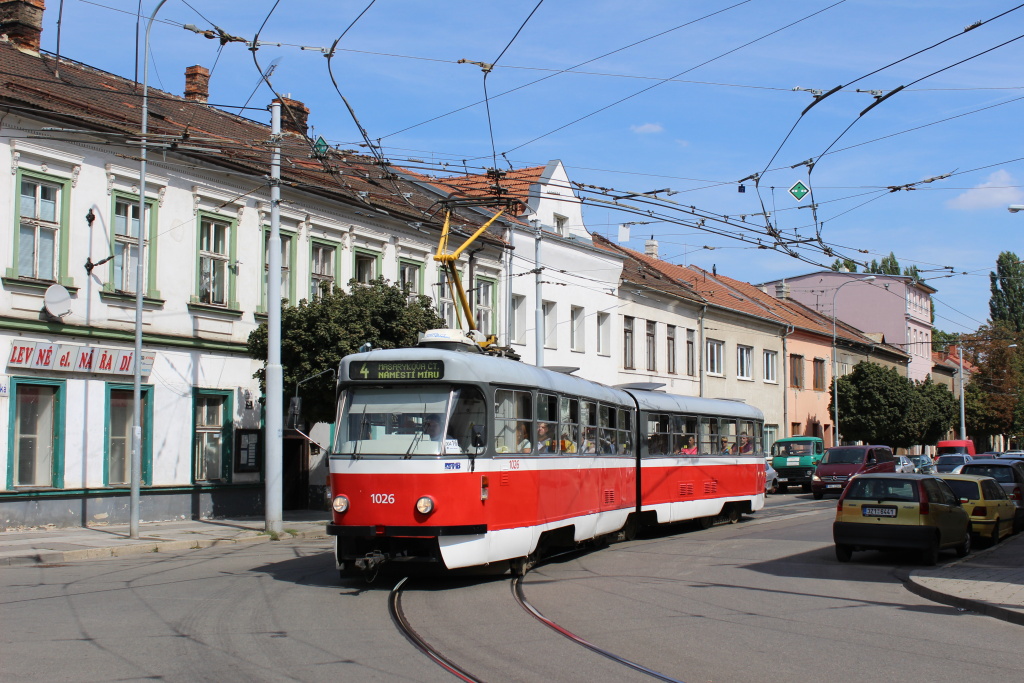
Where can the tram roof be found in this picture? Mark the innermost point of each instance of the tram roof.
(656, 402)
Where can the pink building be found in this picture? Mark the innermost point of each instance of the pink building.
(896, 307)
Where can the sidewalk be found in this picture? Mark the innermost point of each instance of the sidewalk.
(51, 546)
(989, 581)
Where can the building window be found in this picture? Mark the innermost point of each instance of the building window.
(485, 293)
(651, 346)
(39, 213)
(410, 278)
(446, 302)
(771, 358)
(670, 349)
(286, 267)
(577, 329)
(771, 435)
(37, 453)
(518, 327)
(120, 417)
(365, 269)
(691, 353)
(550, 325)
(744, 362)
(604, 334)
(819, 374)
(321, 270)
(560, 224)
(213, 422)
(796, 371)
(126, 244)
(627, 342)
(214, 256)
(716, 357)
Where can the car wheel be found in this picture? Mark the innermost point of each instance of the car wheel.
(995, 535)
(817, 495)
(930, 555)
(964, 548)
(773, 487)
(783, 488)
(843, 552)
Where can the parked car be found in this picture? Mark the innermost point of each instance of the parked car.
(992, 513)
(1012, 455)
(890, 511)
(1009, 474)
(842, 462)
(923, 464)
(771, 479)
(904, 464)
(948, 463)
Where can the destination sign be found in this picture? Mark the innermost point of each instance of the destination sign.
(402, 369)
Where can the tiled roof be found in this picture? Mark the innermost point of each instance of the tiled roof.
(88, 99)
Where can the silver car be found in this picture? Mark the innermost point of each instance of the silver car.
(771, 479)
(904, 464)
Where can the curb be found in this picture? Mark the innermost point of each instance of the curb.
(985, 608)
(56, 556)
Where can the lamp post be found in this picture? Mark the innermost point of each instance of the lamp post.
(835, 362)
(960, 357)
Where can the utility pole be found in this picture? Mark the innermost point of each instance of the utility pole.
(539, 309)
(275, 381)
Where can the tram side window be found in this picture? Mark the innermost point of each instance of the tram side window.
(606, 429)
(749, 441)
(569, 424)
(727, 436)
(513, 421)
(588, 419)
(686, 434)
(624, 433)
(708, 438)
(468, 422)
(659, 434)
(547, 423)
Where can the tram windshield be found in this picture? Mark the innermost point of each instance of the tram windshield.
(410, 421)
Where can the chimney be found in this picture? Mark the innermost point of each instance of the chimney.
(651, 247)
(293, 116)
(781, 290)
(22, 21)
(197, 84)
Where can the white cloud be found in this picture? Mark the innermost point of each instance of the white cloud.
(647, 128)
(996, 192)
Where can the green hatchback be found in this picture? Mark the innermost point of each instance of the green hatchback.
(895, 511)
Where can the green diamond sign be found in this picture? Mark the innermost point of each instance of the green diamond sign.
(320, 148)
(799, 190)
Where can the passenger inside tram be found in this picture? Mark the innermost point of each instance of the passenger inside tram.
(690, 448)
(523, 444)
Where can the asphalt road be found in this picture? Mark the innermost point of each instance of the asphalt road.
(762, 600)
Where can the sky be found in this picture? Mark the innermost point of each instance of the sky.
(688, 97)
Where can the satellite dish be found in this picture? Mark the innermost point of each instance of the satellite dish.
(57, 301)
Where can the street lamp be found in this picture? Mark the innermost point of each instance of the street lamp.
(835, 362)
(1014, 208)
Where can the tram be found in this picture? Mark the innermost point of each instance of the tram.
(446, 455)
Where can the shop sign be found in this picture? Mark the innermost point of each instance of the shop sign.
(77, 358)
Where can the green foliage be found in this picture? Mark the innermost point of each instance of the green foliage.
(849, 264)
(1006, 305)
(941, 341)
(992, 404)
(316, 335)
(878, 405)
(911, 271)
(888, 266)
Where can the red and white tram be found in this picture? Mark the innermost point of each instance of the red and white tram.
(455, 457)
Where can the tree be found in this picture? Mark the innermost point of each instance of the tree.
(879, 405)
(1006, 305)
(888, 266)
(315, 335)
(941, 341)
(992, 403)
(912, 272)
(849, 264)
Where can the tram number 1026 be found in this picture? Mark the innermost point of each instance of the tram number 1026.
(382, 498)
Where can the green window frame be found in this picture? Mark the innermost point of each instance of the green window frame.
(213, 438)
(448, 306)
(287, 266)
(215, 261)
(38, 222)
(116, 282)
(321, 273)
(360, 258)
(20, 443)
(411, 286)
(115, 440)
(485, 291)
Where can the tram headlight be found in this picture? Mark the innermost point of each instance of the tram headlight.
(425, 505)
(340, 503)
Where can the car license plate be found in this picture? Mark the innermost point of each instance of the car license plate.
(783, 480)
(878, 512)
(833, 486)
(793, 461)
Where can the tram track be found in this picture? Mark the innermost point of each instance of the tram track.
(518, 594)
